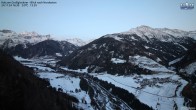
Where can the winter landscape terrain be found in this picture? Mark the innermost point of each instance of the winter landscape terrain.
(140, 69)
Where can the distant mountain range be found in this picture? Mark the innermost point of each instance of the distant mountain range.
(32, 38)
(115, 53)
(31, 44)
(76, 41)
(156, 65)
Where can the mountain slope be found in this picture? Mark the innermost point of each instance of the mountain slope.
(31, 44)
(48, 48)
(20, 89)
(76, 41)
(144, 41)
(9, 38)
(188, 58)
(186, 67)
(44, 48)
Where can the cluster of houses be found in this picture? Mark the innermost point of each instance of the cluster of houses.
(155, 81)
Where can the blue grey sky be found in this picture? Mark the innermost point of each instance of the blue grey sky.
(89, 19)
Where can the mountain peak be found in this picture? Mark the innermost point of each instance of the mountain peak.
(158, 33)
(76, 41)
(144, 27)
(144, 30)
(28, 33)
(6, 31)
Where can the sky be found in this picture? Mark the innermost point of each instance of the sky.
(90, 19)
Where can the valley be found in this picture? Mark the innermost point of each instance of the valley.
(159, 91)
(141, 69)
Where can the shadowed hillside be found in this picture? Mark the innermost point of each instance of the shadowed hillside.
(20, 89)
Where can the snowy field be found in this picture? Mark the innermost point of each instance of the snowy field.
(66, 83)
(69, 85)
(161, 91)
(191, 68)
(147, 63)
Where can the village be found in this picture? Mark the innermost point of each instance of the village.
(154, 81)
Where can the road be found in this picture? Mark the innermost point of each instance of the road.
(103, 98)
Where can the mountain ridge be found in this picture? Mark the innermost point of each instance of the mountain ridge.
(98, 55)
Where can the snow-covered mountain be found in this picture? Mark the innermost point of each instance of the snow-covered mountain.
(48, 48)
(159, 45)
(31, 44)
(128, 70)
(162, 34)
(141, 61)
(10, 38)
(76, 41)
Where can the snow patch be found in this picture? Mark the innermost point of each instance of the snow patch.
(146, 47)
(113, 36)
(147, 63)
(181, 46)
(59, 54)
(191, 68)
(116, 60)
(76, 41)
(133, 38)
(175, 61)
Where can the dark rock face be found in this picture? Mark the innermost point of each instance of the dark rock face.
(20, 89)
(5, 31)
(189, 92)
(47, 47)
(188, 58)
(97, 55)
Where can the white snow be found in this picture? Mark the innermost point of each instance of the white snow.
(149, 89)
(147, 63)
(38, 63)
(117, 60)
(143, 31)
(40, 67)
(133, 38)
(59, 54)
(164, 94)
(191, 68)
(21, 59)
(76, 41)
(176, 60)
(158, 60)
(146, 47)
(113, 36)
(22, 38)
(181, 46)
(77, 70)
(94, 46)
(192, 34)
(68, 85)
(162, 34)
